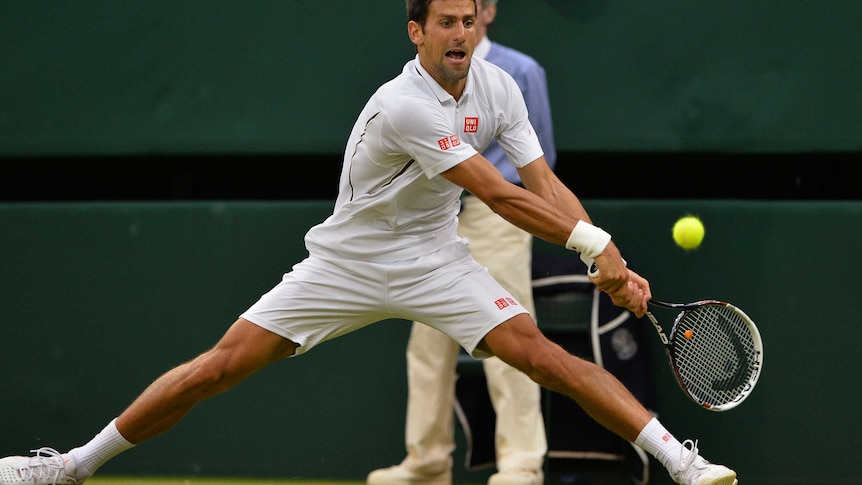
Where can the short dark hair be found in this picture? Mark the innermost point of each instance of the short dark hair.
(417, 10)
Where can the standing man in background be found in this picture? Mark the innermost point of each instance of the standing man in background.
(520, 440)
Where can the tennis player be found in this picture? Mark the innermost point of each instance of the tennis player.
(520, 441)
(390, 250)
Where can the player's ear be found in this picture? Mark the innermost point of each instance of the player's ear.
(414, 31)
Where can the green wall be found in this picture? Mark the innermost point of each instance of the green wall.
(279, 76)
(100, 298)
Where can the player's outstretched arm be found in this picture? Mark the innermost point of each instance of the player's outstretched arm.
(550, 211)
(523, 208)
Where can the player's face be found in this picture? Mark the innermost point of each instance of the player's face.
(446, 44)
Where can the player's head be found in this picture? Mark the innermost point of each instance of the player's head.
(417, 10)
(444, 32)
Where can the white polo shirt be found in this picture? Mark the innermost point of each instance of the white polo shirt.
(393, 205)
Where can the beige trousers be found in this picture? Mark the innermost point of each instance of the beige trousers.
(432, 358)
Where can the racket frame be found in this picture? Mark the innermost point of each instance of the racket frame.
(755, 367)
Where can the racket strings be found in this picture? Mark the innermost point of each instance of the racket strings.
(715, 362)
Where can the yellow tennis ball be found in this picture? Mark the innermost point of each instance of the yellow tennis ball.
(688, 232)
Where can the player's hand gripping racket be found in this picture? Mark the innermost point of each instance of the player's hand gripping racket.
(714, 350)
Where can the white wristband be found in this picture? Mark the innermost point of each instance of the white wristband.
(588, 239)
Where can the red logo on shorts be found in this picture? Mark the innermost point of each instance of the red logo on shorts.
(471, 125)
(505, 302)
(449, 142)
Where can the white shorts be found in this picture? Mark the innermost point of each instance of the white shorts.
(323, 299)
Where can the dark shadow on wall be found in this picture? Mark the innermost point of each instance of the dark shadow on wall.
(831, 176)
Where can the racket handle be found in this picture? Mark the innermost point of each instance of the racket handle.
(592, 269)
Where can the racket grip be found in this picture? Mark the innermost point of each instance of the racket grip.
(592, 269)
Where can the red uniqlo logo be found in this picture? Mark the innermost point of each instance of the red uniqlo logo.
(449, 142)
(505, 302)
(471, 125)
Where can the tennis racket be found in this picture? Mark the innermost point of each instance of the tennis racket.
(714, 350)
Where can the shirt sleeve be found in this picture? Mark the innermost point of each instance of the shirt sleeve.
(518, 137)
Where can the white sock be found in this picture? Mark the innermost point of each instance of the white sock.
(658, 442)
(104, 446)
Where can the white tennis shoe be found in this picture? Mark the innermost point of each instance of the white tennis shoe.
(48, 467)
(694, 470)
(517, 477)
(404, 474)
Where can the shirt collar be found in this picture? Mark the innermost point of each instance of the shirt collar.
(482, 48)
(442, 94)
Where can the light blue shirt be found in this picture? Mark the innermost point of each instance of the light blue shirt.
(530, 77)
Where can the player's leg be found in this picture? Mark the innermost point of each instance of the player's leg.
(430, 430)
(486, 320)
(519, 342)
(243, 350)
